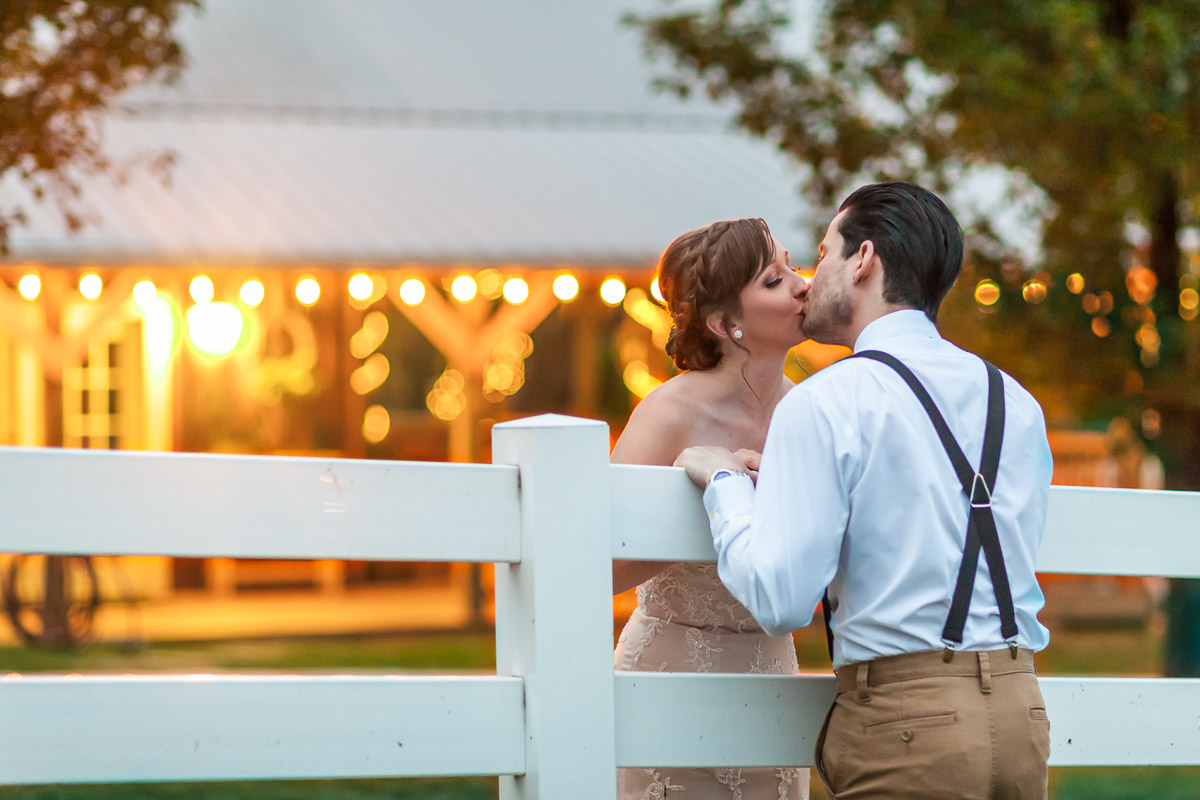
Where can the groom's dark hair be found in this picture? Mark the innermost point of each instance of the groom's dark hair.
(917, 239)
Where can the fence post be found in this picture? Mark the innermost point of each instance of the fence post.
(554, 608)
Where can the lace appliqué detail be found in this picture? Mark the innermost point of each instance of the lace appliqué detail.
(658, 788)
(787, 776)
(654, 627)
(700, 651)
(731, 778)
(694, 595)
(761, 666)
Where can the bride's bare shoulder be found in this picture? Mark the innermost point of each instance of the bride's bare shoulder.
(661, 425)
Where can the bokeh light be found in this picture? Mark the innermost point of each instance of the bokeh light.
(252, 293)
(656, 291)
(308, 291)
(371, 374)
(987, 292)
(361, 287)
(463, 288)
(91, 285)
(412, 291)
(566, 287)
(1075, 283)
(516, 291)
(612, 291)
(214, 329)
(144, 292)
(1034, 291)
(201, 289)
(376, 424)
(30, 286)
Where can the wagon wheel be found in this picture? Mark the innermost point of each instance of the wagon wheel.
(51, 600)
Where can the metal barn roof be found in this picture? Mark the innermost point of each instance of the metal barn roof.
(394, 131)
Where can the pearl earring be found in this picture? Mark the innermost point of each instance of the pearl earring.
(737, 334)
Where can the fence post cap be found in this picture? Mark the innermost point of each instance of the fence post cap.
(550, 421)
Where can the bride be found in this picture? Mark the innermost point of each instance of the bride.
(736, 304)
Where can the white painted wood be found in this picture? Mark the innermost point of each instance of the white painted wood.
(678, 720)
(549, 726)
(708, 720)
(204, 727)
(658, 516)
(554, 608)
(1123, 721)
(184, 504)
(1122, 532)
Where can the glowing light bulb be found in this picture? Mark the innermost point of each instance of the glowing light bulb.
(90, 286)
(612, 291)
(144, 292)
(214, 329)
(30, 286)
(252, 293)
(516, 291)
(566, 288)
(463, 288)
(361, 287)
(307, 291)
(201, 289)
(412, 291)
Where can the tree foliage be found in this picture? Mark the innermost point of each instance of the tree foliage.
(1096, 102)
(62, 63)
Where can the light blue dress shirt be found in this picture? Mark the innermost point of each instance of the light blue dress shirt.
(856, 492)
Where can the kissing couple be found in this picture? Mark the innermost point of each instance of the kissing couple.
(880, 481)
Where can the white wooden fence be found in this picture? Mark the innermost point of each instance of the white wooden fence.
(551, 513)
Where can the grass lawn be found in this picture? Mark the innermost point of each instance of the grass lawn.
(1133, 651)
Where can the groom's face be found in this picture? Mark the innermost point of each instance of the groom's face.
(828, 309)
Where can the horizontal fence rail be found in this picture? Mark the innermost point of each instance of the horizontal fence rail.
(676, 720)
(260, 727)
(87, 729)
(657, 516)
(199, 505)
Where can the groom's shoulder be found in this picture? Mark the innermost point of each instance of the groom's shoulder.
(834, 386)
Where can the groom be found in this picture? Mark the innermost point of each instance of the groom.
(884, 477)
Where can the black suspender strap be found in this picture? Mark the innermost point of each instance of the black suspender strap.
(827, 613)
(981, 523)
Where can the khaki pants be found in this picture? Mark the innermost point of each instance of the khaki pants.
(913, 726)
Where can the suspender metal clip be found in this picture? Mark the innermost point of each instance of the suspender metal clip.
(977, 500)
(948, 653)
(1012, 648)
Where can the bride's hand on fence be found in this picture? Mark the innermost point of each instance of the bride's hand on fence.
(750, 458)
(701, 461)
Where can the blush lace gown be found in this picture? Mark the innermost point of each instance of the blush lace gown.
(687, 621)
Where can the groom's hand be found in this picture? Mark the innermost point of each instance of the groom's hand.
(702, 461)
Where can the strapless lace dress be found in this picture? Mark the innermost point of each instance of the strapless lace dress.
(687, 621)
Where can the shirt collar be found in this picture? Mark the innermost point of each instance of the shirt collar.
(903, 323)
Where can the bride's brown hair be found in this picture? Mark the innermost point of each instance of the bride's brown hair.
(704, 271)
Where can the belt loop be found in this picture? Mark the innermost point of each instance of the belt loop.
(864, 690)
(985, 674)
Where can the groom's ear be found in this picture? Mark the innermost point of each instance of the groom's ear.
(868, 262)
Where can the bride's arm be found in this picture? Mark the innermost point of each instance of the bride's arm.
(654, 435)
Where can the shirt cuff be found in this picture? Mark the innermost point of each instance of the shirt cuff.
(728, 495)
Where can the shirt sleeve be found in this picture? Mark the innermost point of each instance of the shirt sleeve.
(777, 550)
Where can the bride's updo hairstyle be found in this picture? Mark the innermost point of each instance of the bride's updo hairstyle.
(704, 271)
